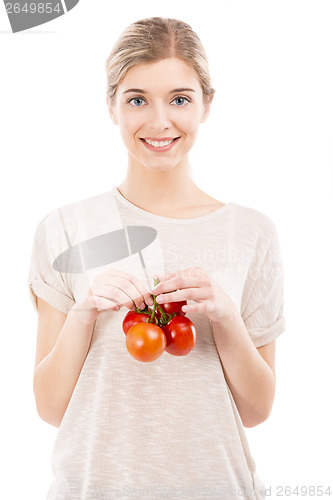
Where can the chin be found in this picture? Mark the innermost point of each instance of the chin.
(160, 167)
(162, 164)
(157, 165)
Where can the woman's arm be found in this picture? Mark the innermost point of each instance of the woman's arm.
(63, 342)
(60, 355)
(249, 371)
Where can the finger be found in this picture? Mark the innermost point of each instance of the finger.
(113, 294)
(180, 281)
(130, 285)
(199, 307)
(161, 277)
(103, 304)
(196, 294)
(141, 289)
(128, 289)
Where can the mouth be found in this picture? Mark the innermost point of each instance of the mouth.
(159, 145)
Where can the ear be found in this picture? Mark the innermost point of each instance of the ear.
(206, 109)
(112, 111)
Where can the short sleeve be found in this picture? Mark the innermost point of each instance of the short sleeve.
(263, 314)
(43, 280)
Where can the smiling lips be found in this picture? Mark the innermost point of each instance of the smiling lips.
(159, 144)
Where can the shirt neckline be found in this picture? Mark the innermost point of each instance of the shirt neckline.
(139, 210)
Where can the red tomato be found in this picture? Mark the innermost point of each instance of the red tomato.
(145, 342)
(132, 318)
(171, 307)
(157, 312)
(181, 336)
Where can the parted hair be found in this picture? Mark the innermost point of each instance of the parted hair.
(151, 40)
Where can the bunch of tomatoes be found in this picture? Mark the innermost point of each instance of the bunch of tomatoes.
(164, 327)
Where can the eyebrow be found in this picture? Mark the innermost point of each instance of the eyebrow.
(141, 91)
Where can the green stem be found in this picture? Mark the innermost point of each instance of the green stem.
(142, 311)
(154, 309)
(156, 281)
(165, 317)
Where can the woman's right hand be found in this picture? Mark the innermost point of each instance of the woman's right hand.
(110, 291)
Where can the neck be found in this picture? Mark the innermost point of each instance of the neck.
(160, 191)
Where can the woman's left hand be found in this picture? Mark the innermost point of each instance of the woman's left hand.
(194, 284)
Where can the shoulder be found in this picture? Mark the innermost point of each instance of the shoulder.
(75, 222)
(86, 205)
(73, 213)
(253, 221)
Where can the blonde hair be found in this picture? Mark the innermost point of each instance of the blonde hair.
(151, 40)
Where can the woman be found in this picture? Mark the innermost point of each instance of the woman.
(175, 426)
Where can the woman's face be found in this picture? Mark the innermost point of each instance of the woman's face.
(158, 108)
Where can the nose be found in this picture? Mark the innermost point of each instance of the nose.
(160, 119)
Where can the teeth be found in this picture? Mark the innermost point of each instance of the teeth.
(158, 144)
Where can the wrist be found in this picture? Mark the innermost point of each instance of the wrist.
(230, 318)
(229, 332)
(83, 314)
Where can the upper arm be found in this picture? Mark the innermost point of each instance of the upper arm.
(263, 306)
(267, 352)
(50, 323)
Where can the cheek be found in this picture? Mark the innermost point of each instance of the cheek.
(189, 122)
(129, 124)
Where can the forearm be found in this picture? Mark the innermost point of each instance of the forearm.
(250, 378)
(56, 375)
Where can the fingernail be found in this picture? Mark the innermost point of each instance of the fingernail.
(142, 306)
(150, 301)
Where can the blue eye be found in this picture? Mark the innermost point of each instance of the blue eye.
(181, 100)
(136, 101)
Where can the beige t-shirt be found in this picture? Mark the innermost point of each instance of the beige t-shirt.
(168, 428)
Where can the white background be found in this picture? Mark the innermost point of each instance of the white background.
(267, 144)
